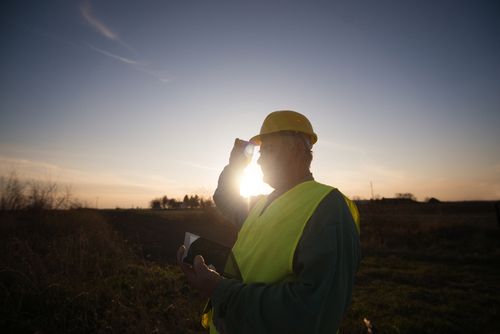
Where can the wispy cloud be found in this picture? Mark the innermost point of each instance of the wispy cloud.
(111, 55)
(105, 31)
(145, 69)
(40, 170)
(137, 65)
(111, 188)
(86, 10)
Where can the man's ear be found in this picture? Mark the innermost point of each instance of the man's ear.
(296, 151)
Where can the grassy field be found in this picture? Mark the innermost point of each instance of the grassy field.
(426, 269)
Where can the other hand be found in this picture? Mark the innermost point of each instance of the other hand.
(198, 275)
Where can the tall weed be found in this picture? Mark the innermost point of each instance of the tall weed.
(69, 272)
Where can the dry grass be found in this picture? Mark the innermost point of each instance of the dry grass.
(25, 194)
(69, 272)
(428, 269)
(425, 269)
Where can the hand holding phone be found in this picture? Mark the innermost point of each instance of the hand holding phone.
(215, 254)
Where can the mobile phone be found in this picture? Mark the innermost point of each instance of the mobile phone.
(244, 149)
(213, 253)
(248, 152)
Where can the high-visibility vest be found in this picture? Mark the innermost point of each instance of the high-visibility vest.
(266, 243)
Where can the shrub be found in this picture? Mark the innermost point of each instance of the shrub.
(70, 272)
(16, 194)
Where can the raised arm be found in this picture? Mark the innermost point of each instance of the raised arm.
(227, 196)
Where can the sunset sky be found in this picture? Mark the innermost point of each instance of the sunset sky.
(130, 100)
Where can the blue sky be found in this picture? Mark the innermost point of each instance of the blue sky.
(129, 100)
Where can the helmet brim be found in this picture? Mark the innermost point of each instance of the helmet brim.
(257, 140)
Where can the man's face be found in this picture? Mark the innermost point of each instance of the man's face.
(276, 159)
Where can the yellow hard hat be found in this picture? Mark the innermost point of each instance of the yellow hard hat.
(285, 120)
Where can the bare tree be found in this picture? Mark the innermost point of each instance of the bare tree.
(34, 195)
(12, 193)
(155, 204)
(164, 202)
(206, 203)
(173, 203)
(409, 196)
(194, 201)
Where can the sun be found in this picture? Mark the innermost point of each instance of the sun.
(251, 181)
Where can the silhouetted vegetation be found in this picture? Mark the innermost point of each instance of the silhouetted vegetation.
(156, 204)
(426, 268)
(16, 194)
(497, 209)
(70, 272)
(432, 200)
(408, 196)
(188, 202)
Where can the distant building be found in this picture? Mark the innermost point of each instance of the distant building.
(433, 200)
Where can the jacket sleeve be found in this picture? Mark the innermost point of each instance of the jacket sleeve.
(325, 263)
(227, 196)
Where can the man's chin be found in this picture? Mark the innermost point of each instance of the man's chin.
(270, 182)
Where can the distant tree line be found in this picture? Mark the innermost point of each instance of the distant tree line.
(406, 196)
(398, 197)
(188, 202)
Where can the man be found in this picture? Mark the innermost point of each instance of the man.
(297, 252)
